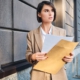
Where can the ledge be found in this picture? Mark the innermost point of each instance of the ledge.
(11, 68)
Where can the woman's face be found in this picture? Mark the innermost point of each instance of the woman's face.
(46, 14)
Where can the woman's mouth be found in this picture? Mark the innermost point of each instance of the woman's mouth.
(50, 17)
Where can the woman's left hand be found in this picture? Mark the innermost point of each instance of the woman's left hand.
(68, 58)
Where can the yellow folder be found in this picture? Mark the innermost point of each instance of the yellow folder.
(54, 61)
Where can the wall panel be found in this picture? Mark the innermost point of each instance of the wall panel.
(6, 13)
(20, 45)
(5, 46)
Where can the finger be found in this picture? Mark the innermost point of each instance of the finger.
(40, 54)
(68, 57)
(71, 54)
(42, 58)
(44, 54)
(39, 59)
(67, 60)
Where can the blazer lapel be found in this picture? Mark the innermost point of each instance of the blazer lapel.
(55, 31)
(38, 38)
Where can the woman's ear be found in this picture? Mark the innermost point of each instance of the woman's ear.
(39, 15)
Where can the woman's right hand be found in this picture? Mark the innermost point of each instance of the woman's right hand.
(39, 56)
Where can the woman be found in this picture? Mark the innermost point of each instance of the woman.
(46, 13)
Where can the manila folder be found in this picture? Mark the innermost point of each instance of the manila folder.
(54, 61)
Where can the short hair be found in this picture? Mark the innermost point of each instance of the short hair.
(40, 6)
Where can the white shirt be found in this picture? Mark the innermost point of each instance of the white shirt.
(43, 33)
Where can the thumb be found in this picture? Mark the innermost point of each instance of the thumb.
(71, 54)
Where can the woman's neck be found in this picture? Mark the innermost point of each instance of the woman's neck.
(46, 27)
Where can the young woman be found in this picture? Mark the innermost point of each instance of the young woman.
(46, 13)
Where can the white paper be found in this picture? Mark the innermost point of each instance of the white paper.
(51, 40)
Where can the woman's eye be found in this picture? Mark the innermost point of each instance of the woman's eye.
(52, 10)
(46, 10)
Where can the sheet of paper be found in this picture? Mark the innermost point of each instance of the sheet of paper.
(51, 41)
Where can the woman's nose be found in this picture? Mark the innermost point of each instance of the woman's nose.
(50, 13)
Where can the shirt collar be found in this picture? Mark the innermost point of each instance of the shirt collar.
(44, 33)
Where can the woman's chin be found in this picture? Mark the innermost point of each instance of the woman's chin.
(50, 21)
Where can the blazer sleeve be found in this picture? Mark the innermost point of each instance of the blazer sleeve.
(29, 51)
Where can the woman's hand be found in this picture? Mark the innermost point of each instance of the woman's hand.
(68, 58)
(39, 56)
